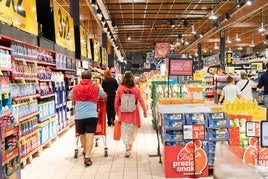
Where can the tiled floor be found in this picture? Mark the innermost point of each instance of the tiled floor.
(58, 162)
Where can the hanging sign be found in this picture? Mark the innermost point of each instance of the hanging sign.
(161, 50)
(103, 56)
(83, 41)
(229, 59)
(64, 27)
(20, 14)
(181, 67)
(96, 51)
(89, 53)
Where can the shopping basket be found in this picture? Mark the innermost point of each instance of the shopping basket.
(100, 131)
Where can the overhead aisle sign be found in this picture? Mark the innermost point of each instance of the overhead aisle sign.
(64, 27)
(20, 14)
(83, 41)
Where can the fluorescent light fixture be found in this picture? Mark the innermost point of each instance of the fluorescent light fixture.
(252, 44)
(99, 13)
(172, 24)
(239, 48)
(93, 3)
(212, 16)
(216, 46)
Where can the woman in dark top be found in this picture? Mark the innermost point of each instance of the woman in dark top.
(110, 85)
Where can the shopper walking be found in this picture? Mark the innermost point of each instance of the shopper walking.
(245, 85)
(130, 121)
(86, 95)
(110, 85)
(263, 82)
(230, 92)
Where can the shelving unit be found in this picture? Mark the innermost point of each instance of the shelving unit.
(208, 81)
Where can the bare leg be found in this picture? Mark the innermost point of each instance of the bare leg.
(83, 140)
(89, 140)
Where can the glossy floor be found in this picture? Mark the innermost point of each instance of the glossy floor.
(58, 162)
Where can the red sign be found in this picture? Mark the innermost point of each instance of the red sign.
(181, 67)
(185, 161)
(161, 50)
(194, 131)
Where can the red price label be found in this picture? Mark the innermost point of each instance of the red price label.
(195, 131)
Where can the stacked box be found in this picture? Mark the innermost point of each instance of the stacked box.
(44, 131)
(195, 118)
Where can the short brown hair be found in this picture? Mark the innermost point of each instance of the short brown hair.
(86, 74)
(229, 79)
(107, 74)
(244, 75)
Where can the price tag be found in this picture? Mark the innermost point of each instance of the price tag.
(6, 94)
(195, 131)
(264, 133)
(1, 73)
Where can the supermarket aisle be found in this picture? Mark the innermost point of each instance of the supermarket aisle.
(58, 162)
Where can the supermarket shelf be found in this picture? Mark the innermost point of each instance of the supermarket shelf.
(46, 63)
(28, 116)
(25, 97)
(33, 78)
(5, 48)
(46, 118)
(6, 69)
(44, 80)
(10, 155)
(46, 96)
(23, 60)
(22, 137)
(64, 69)
(10, 132)
(29, 157)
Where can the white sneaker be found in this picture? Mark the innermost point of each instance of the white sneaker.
(127, 154)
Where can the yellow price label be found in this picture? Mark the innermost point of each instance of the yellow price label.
(1, 73)
(6, 95)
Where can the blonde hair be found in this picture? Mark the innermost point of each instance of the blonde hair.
(107, 74)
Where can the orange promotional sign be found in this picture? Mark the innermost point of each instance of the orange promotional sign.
(186, 161)
(161, 50)
(195, 131)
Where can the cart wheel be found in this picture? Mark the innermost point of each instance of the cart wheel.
(76, 153)
(105, 152)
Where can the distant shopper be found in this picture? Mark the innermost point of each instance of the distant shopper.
(245, 85)
(130, 121)
(86, 95)
(230, 92)
(263, 82)
(110, 85)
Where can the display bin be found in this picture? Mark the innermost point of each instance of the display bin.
(210, 147)
(195, 118)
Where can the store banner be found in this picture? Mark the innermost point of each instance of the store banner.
(189, 160)
(103, 56)
(83, 41)
(64, 27)
(181, 67)
(161, 50)
(20, 14)
(89, 52)
(96, 51)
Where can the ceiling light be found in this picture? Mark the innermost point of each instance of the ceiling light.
(193, 31)
(252, 44)
(93, 3)
(212, 16)
(216, 46)
(237, 37)
(99, 13)
(249, 2)
(239, 48)
(186, 43)
(185, 23)
(106, 26)
(227, 15)
(228, 40)
(172, 24)
(261, 29)
(128, 37)
(201, 34)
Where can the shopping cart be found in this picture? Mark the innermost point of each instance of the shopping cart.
(100, 131)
